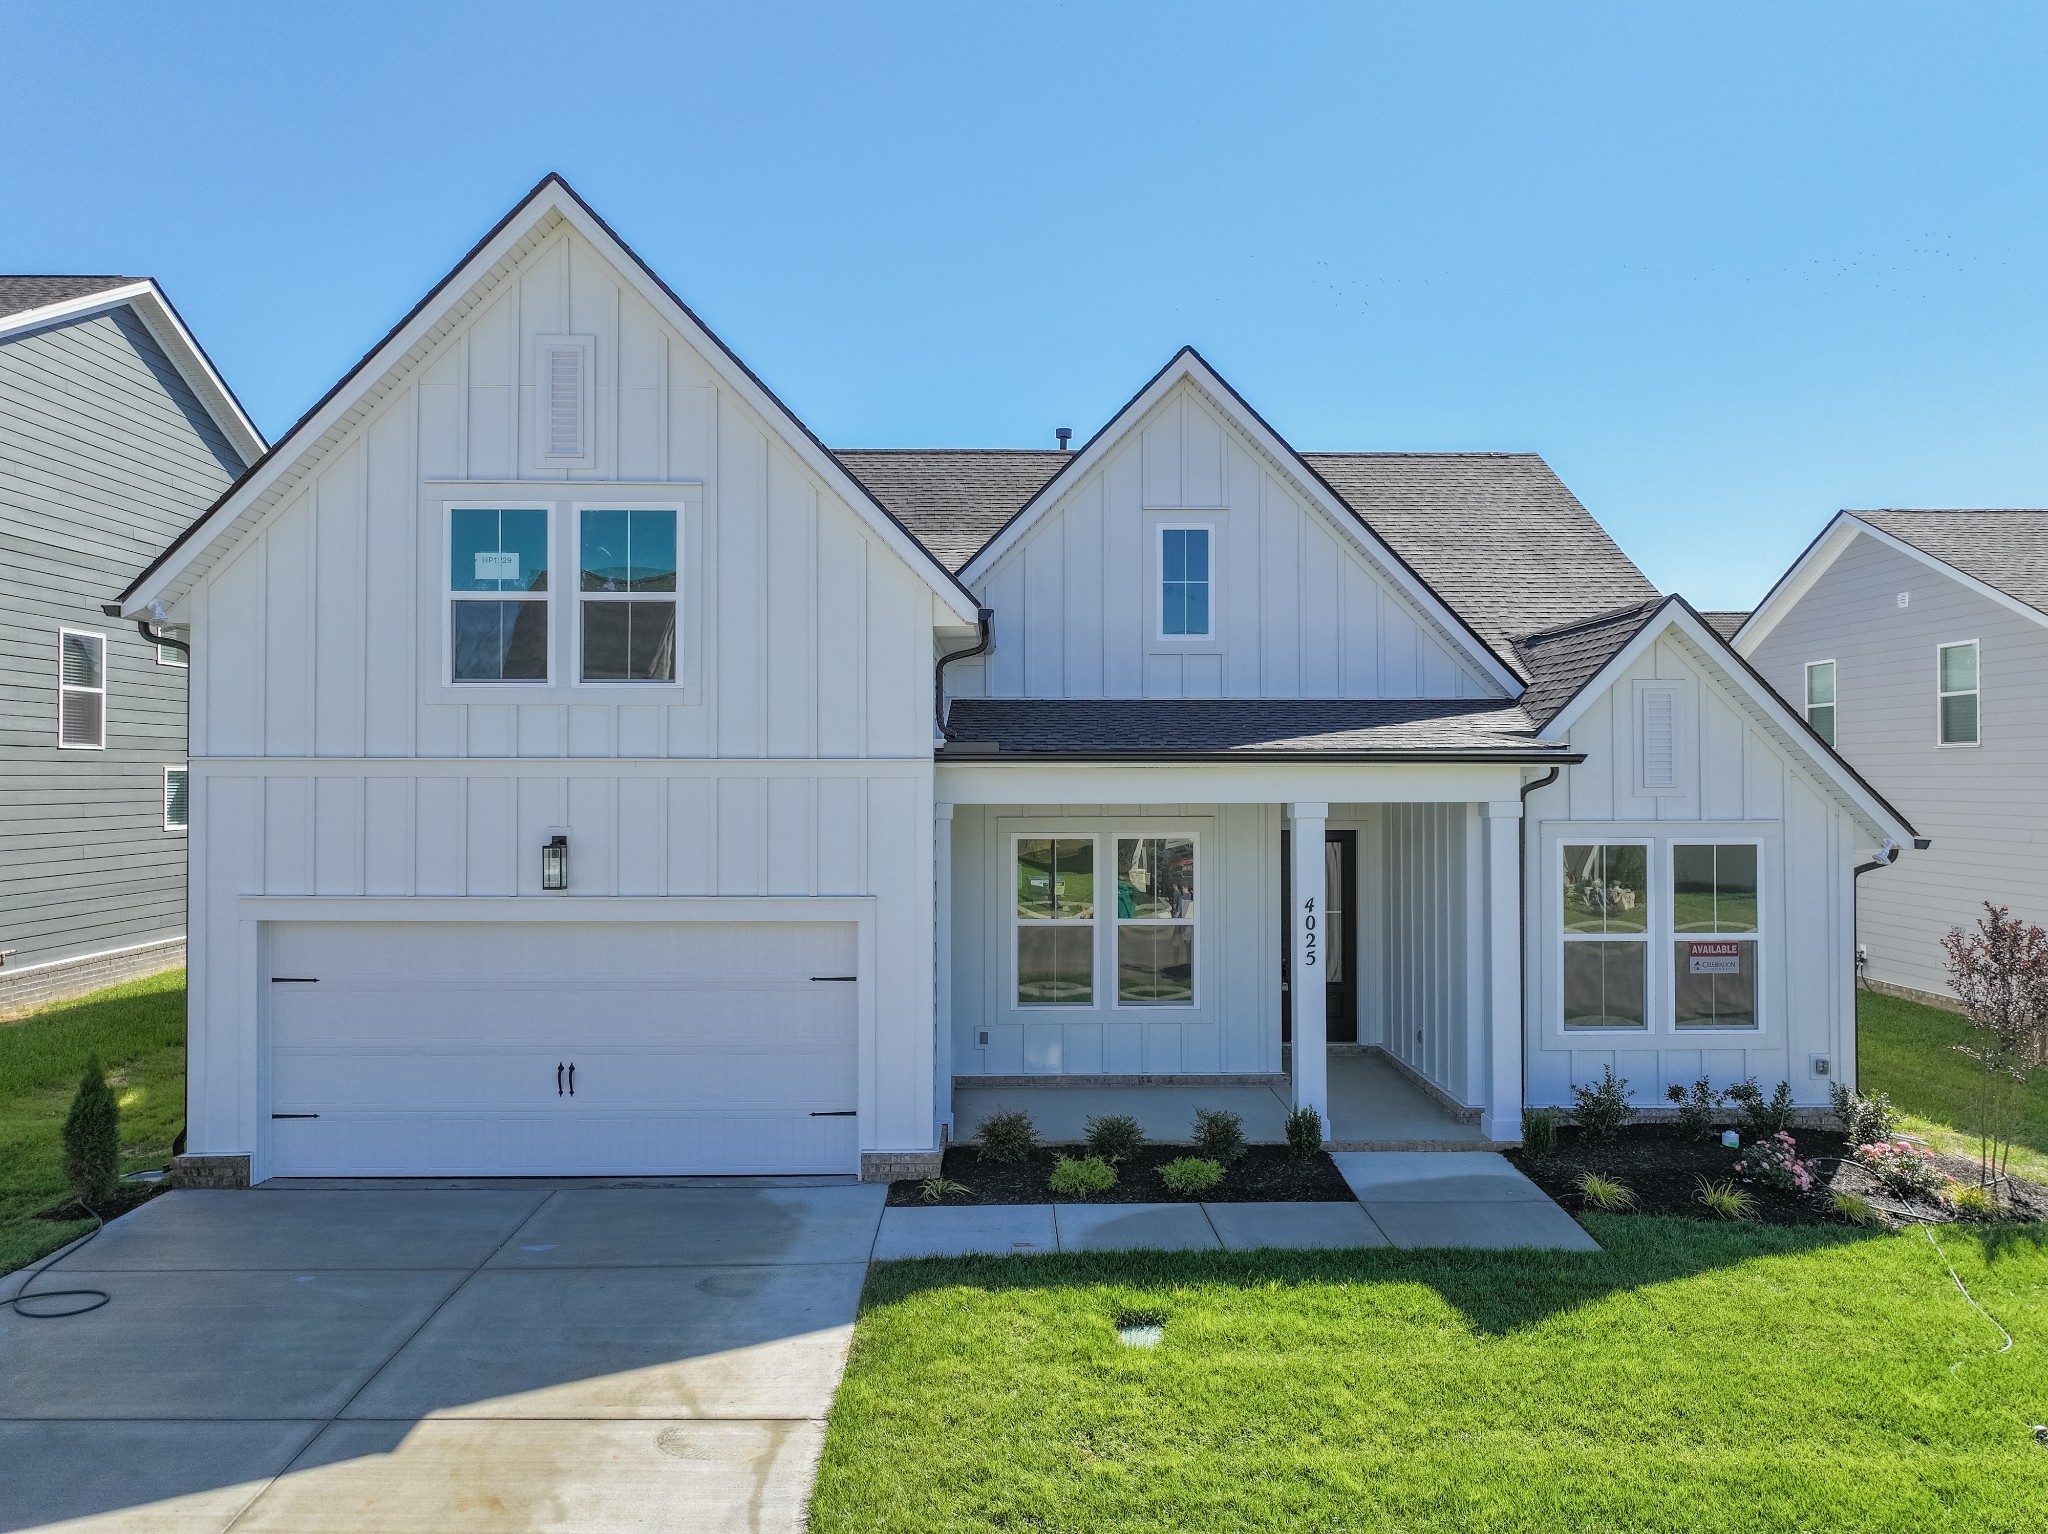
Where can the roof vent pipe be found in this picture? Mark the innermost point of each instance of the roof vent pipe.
(1065, 434)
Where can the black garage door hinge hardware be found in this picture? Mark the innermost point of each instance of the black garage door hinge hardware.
(835, 977)
(295, 1115)
(294, 979)
(836, 1113)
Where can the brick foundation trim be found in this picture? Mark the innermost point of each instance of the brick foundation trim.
(210, 1172)
(895, 1166)
(36, 986)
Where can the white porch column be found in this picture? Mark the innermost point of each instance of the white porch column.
(1501, 1117)
(942, 970)
(1307, 999)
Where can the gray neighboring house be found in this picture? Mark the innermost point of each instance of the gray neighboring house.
(115, 430)
(1918, 641)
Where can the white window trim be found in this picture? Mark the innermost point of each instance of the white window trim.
(1171, 1008)
(1941, 695)
(1807, 705)
(450, 596)
(1595, 837)
(577, 594)
(1673, 937)
(1017, 925)
(186, 823)
(1159, 532)
(63, 687)
(587, 458)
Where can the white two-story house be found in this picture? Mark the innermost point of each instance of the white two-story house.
(594, 773)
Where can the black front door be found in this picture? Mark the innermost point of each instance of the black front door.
(1340, 906)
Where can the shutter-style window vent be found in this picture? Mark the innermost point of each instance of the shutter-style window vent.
(562, 419)
(1660, 737)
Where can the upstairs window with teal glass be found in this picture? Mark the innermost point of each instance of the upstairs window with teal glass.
(627, 565)
(1184, 606)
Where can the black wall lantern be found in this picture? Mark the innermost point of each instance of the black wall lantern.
(554, 864)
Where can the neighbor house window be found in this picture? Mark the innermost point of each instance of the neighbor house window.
(1820, 698)
(167, 655)
(1155, 921)
(1957, 667)
(177, 798)
(627, 565)
(1184, 582)
(1606, 935)
(1055, 921)
(497, 594)
(1714, 922)
(81, 690)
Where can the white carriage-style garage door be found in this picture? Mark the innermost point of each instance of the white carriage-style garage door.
(566, 1049)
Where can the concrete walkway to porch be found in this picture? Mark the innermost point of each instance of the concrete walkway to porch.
(1374, 1105)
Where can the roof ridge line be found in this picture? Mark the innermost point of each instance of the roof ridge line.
(1599, 620)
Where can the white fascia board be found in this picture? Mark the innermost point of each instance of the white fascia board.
(1764, 704)
(1267, 782)
(163, 322)
(553, 197)
(1188, 366)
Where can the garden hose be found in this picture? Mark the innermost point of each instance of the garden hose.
(95, 1298)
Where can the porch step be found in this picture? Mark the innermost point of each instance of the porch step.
(1474, 1143)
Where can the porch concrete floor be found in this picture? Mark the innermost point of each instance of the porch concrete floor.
(1372, 1104)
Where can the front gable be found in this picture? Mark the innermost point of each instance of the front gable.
(1306, 602)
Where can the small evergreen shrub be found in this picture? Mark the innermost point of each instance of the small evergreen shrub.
(1605, 1193)
(1191, 1174)
(1539, 1131)
(1219, 1135)
(1113, 1136)
(1905, 1170)
(1304, 1132)
(1696, 1106)
(92, 1137)
(1763, 1116)
(1775, 1163)
(1079, 1176)
(934, 1189)
(1725, 1201)
(1865, 1120)
(1007, 1136)
(1603, 1108)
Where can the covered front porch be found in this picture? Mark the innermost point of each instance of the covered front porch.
(1125, 939)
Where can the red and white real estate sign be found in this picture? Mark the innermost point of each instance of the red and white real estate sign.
(1714, 958)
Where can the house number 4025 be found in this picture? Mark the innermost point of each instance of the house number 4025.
(1308, 933)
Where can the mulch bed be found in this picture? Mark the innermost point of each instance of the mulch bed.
(126, 1196)
(1664, 1172)
(1266, 1174)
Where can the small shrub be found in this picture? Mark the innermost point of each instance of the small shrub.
(1763, 1116)
(1696, 1107)
(92, 1137)
(1605, 1193)
(1857, 1210)
(1865, 1120)
(1079, 1176)
(932, 1189)
(1602, 1109)
(1973, 1201)
(1113, 1137)
(1539, 1131)
(1191, 1174)
(1725, 1201)
(1219, 1135)
(1905, 1170)
(1007, 1136)
(1775, 1163)
(1304, 1131)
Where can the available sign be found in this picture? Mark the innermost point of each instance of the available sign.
(1714, 958)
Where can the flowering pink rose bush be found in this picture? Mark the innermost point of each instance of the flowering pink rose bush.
(1906, 1170)
(1774, 1162)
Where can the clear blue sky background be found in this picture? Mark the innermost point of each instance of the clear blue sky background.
(1727, 266)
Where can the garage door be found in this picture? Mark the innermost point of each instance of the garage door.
(573, 1049)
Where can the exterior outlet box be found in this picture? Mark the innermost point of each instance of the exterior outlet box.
(1821, 1065)
(981, 1038)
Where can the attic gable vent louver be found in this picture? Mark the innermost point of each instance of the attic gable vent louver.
(562, 426)
(1660, 737)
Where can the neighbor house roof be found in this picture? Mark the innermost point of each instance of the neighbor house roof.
(2005, 549)
(1151, 728)
(1724, 623)
(18, 295)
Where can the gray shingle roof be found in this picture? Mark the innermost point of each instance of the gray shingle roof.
(1565, 659)
(1725, 624)
(953, 500)
(2005, 549)
(1157, 727)
(18, 295)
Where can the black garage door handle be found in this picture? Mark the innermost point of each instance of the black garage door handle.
(295, 1115)
(835, 977)
(836, 1113)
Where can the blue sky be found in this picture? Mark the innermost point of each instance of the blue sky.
(1728, 267)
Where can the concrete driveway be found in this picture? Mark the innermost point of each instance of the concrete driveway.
(522, 1356)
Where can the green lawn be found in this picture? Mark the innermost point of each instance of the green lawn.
(138, 1031)
(1904, 1049)
(1690, 1377)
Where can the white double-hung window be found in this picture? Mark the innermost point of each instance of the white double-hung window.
(81, 690)
(1606, 935)
(1714, 935)
(1055, 884)
(1155, 921)
(1820, 698)
(498, 594)
(1957, 693)
(627, 578)
(1185, 609)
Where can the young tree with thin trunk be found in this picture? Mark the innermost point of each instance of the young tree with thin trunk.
(1999, 971)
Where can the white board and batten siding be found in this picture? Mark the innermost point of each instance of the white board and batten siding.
(332, 759)
(1983, 807)
(1299, 610)
(1673, 754)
